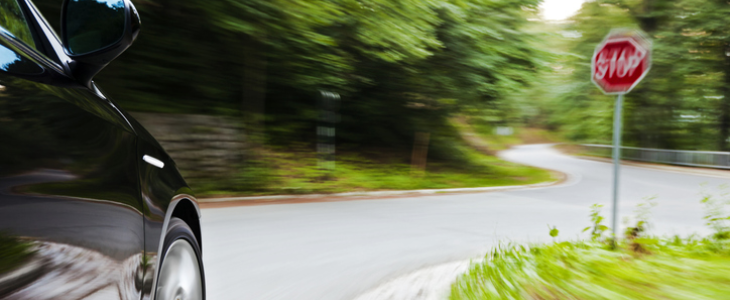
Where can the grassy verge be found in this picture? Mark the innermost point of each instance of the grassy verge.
(466, 155)
(297, 173)
(665, 269)
(636, 267)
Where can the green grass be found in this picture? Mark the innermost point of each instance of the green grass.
(297, 173)
(662, 268)
(637, 267)
(465, 162)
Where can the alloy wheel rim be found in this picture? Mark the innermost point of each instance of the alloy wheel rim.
(180, 277)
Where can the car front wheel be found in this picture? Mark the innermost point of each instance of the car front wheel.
(180, 276)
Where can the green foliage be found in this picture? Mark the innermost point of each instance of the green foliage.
(553, 231)
(12, 20)
(675, 269)
(296, 172)
(683, 103)
(716, 213)
(597, 229)
(642, 215)
(254, 177)
(639, 267)
(400, 66)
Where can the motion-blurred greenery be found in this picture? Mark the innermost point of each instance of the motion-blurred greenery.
(287, 171)
(667, 268)
(410, 66)
(639, 266)
(400, 67)
(683, 103)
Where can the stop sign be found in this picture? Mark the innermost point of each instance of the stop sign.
(620, 62)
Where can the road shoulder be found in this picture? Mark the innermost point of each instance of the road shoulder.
(374, 195)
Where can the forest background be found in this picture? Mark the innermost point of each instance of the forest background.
(408, 67)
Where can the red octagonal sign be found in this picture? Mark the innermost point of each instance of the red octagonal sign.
(621, 61)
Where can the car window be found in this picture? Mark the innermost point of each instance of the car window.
(14, 63)
(13, 22)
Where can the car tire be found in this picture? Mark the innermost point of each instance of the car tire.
(181, 273)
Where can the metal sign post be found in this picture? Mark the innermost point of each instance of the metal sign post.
(619, 63)
(617, 116)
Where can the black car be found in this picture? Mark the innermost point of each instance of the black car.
(91, 206)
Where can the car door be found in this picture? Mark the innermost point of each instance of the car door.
(71, 224)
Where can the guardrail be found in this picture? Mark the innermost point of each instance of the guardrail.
(705, 159)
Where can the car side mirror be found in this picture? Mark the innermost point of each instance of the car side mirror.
(95, 32)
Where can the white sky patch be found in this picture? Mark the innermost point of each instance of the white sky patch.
(557, 10)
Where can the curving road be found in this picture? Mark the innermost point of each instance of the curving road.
(339, 250)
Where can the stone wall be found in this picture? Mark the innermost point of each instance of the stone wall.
(201, 145)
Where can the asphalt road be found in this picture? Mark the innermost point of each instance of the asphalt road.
(339, 250)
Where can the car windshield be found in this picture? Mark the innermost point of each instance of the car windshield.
(13, 22)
